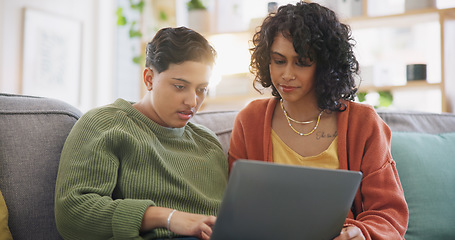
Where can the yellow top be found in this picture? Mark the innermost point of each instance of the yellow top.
(285, 155)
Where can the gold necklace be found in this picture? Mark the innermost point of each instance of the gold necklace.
(289, 119)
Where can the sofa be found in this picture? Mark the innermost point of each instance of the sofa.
(33, 131)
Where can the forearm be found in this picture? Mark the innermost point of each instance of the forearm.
(383, 212)
(180, 223)
(90, 216)
(155, 217)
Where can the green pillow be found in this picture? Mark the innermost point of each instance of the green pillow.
(426, 166)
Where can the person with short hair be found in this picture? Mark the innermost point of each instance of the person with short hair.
(142, 170)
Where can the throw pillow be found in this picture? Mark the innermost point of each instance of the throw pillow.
(426, 166)
(4, 229)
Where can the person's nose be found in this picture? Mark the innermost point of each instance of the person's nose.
(288, 73)
(191, 99)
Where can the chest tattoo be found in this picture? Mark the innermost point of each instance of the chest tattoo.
(322, 134)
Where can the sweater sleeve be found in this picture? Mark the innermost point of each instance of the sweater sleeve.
(86, 181)
(380, 209)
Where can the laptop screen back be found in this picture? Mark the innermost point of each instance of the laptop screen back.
(274, 201)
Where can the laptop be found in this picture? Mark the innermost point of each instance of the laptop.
(275, 201)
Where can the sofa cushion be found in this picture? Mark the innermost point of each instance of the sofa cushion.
(426, 166)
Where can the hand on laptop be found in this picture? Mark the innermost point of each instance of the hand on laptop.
(350, 233)
(189, 224)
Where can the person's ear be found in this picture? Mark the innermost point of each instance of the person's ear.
(147, 76)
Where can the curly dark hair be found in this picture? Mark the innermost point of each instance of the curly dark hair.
(177, 45)
(317, 35)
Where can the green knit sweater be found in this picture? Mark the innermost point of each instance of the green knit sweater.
(116, 162)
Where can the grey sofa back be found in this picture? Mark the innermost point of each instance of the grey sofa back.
(433, 123)
(32, 133)
(220, 122)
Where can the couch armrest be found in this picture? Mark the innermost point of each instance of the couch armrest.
(33, 131)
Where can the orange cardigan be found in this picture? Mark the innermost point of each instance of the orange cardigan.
(379, 209)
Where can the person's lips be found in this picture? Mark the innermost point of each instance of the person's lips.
(286, 88)
(185, 115)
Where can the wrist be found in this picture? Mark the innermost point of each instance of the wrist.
(155, 217)
(169, 218)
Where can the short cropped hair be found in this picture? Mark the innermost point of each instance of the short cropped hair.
(317, 35)
(177, 45)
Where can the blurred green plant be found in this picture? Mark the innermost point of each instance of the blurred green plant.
(163, 16)
(385, 98)
(195, 4)
(134, 30)
(362, 96)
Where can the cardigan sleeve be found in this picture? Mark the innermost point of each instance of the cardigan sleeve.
(237, 145)
(87, 177)
(380, 209)
(249, 132)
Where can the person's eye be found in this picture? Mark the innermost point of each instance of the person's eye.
(202, 90)
(303, 63)
(279, 62)
(179, 87)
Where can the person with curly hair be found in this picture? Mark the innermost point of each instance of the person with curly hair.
(141, 170)
(305, 55)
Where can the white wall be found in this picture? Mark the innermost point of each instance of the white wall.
(98, 45)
